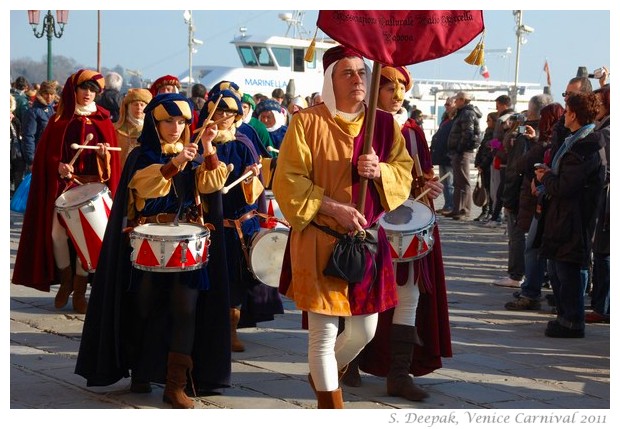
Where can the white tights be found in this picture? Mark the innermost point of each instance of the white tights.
(328, 352)
(61, 248)
(408, 298)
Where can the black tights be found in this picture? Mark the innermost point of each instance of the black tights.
(178, 300)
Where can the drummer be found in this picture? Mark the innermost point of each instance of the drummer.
(415, 335)
(250, 300)
(44, 252)
(163, 335)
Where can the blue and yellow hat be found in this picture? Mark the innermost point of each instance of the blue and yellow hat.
(161, 107)
(230, 102)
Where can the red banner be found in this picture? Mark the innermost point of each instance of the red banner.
(402, 37)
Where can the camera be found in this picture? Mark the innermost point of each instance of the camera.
(518, 117)
(521, 129)
(597, 74)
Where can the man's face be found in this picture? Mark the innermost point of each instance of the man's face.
(572, 88)
(459, 102)
(167, 89)
(349, 80)
(267, 117)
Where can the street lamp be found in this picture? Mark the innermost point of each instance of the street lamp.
(49, 29)
(521, 31)
(187, 15)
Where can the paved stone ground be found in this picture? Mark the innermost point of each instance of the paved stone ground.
(502, 360)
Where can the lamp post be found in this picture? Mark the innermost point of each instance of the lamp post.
(521, 31)
(191, 42)
(49, 29)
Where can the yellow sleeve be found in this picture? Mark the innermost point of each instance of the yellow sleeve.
(148, 183)
(394, 185)
(266, 169)
(208, 181)
(252, 190)
(298, 197)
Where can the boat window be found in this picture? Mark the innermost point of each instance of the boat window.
(283, 56)
(247, 56)
(298, 60)
(264, 59)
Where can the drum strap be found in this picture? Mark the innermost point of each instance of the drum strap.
(236, 224)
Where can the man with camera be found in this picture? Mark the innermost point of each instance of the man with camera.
(517, 140)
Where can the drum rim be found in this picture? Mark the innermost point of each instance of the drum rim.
(104, 190)
(386, 227)
(160, 269)
(205, 233)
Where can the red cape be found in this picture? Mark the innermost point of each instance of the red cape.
(34, 263)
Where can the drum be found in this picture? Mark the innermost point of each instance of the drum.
(409, 229)
(85, 210)
(168, 247)
(273, 209)
(266, 254)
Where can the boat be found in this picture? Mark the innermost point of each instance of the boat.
(270, 62)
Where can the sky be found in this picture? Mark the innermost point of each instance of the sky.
(155, 42)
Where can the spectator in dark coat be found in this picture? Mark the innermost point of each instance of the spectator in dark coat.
(464, 138)
(529, 296)
(439, 155)
(600, 246)
(572, 186)
(111, 97)
(18, 90)
(516, 143)
(482, 161)
(36, 118)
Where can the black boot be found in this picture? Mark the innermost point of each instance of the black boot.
(399, 382)
(350, 374)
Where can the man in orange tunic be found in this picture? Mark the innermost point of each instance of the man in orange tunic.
(316, 185)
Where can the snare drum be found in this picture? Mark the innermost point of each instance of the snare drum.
(266, 254)
(85, 210)
(168, 247)
(409, 229)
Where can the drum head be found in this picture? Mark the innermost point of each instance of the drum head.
(410, 216)
(165, 230)
(79, 195)
(267, 252)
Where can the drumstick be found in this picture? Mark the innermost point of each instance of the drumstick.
(272, 149)
(225, 189)
(206, 123)
(88, 138)
(441, 179)
(80, 146)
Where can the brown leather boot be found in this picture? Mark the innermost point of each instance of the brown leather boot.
(65, 289)
(176, 380)
(80, 304)
(350, 374)
(235, 343)
(330, 400)
(399, 382)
